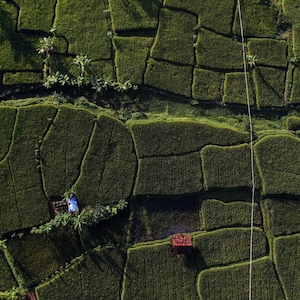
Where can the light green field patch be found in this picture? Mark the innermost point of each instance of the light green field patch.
(269, 52)
(174, 40)
(36, 15)
(217, 51)
(181, 136)
(169, 77)
(278, 161)
(232, 282)
(87, 32)
(108, 168)
(225, 246)
(269, 86)
(281, 216)
(131, 14)
(207, 85)
(235, 89)
(259, 20)
(286, 258)
(150, 273)
(227, 167)
(63, 149)
(217, 214)
(131, 57)
(174, 175)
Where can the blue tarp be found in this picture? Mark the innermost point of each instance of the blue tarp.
(73, 205)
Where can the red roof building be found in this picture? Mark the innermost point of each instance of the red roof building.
(182, 244)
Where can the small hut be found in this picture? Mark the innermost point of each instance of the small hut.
(59, 207)
(182, 244)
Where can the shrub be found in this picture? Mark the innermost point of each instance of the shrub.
(269, 86)
(286, 258)
(207, 85)
(174, 39)
(169, 77)
(225, 246)
(232, 282)
(180, 136)
(148, 266)
(217, 214)
(174, 175)
(276, 158)
(131, 57)
(281, 216)
(227, 167)
(218, 52)
(235, 89)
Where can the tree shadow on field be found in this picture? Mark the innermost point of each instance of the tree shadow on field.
(23, 48)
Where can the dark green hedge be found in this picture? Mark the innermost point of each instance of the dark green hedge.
(281, 216)
(108, 170)
(227, 167)
(286, 258)
(169, 77)
(225, 246)
(218, 52)
(259, 20)
(173, 175)
(232, 282)
(63, 149)
(277, 159)
(22, 78)
(292, 123)
(235, 89)
(207, 85)
(180, 136)
(269, 86)
(217, 214)
(174, 39)
(131, 57)
(269, 52)
(154, 272)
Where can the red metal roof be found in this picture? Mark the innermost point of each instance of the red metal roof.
(181, 240)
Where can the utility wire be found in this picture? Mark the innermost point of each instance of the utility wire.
(251, 150)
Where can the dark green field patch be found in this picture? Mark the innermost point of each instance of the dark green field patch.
(281, 216)
(269, 52)
(88, 37)
(152, 272)
(7, 121)
(108, 170)
(225, 246)
(131, 57)
(278, 162)
(292, 123)
(63, 149)
(295, 91)
(38, 256)
(174, 175)
(259, 20)
(174, 40)
(96, 276)
(217, 214)
(286, 258)
(235, 89)
(269, 86)
(131, 14)
(207, 85)
(181, 136)
(169, 77)
(232, 282)
(227, 167)
(7, 280)
(22, 78)
(218, 52)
